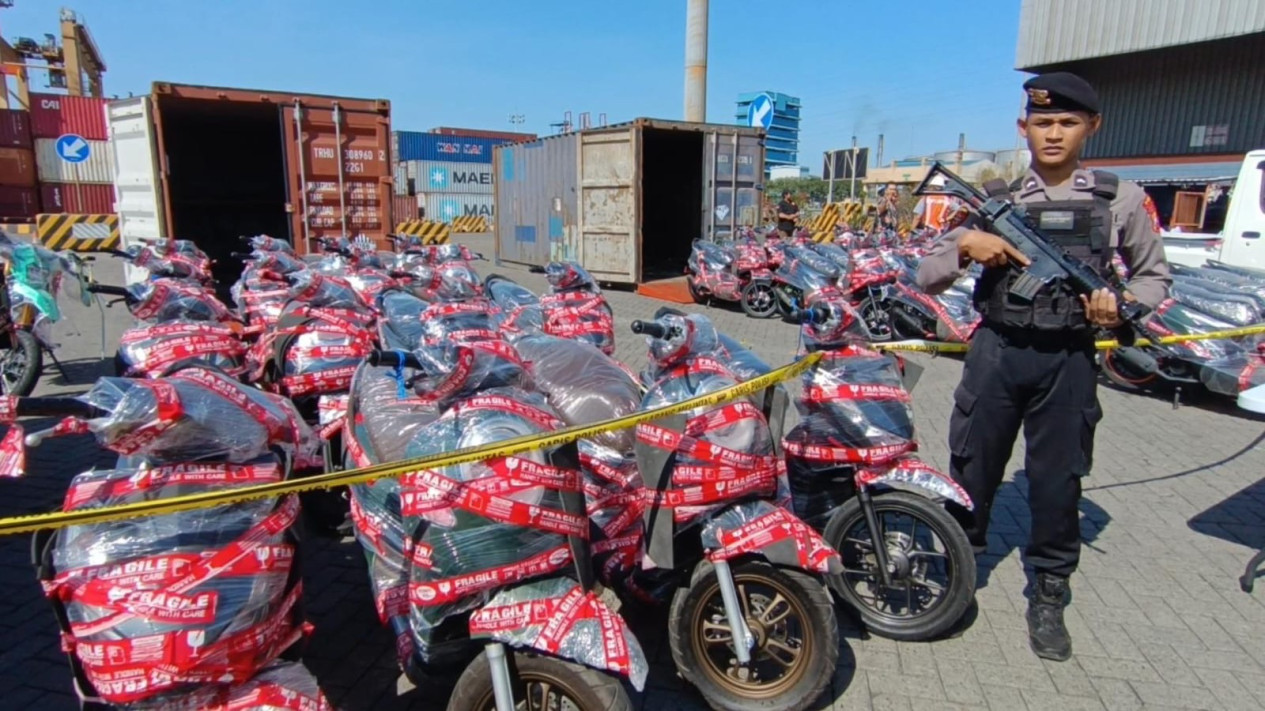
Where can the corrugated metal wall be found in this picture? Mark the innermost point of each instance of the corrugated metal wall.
(1056, 31)
(1153, 103)
(536, 200)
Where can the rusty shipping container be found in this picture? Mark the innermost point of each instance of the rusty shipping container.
(19, 202)
(627, 201)
(87, 198)
(98, 168)
(15, 128)
(479, 133)
(211, 164)
(53, 115)
(17, 168)
(404, 207)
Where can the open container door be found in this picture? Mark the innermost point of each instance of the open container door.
(609, 208)
(339, 172)
(138, 198)
(733, 167)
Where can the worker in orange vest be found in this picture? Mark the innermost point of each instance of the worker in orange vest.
(938, 212)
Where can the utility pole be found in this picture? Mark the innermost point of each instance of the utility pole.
(830, 189)
(852, 189)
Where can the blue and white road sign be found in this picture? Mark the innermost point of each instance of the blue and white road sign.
(760, 112)
(72, 148)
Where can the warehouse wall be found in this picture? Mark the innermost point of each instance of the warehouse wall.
(1154, 102)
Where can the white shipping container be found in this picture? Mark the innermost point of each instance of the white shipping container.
(98, 168)
(433, 176)
(446, 207)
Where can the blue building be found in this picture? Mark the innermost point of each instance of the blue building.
(783, 142)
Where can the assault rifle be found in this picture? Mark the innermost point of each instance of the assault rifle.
(1049, 261)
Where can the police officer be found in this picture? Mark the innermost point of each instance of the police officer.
(1032, 363)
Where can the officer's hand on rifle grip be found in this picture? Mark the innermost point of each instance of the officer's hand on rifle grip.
(1101, 308)
(988, 249)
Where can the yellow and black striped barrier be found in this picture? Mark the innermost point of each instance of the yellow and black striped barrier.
(77, 232)
(504, 448)
(470, 224)
(430, 232)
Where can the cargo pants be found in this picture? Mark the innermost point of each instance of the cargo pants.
(1046, 382)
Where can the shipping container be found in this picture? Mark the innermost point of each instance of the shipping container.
(404, 207)
(19, 202)
(400, 176)
(54, 115)
(85, 198)
(626, 201)
(409, 145)
(98, 168)
(15, 128)
(510, 136)
(17, 167)
(434, 176)
(212, 164)
(446, 207)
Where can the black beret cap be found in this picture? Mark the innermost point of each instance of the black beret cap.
(1057, 92)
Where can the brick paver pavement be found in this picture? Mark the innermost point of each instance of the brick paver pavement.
(1174, 508)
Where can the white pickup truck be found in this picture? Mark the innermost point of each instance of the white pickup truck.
(1240, 243)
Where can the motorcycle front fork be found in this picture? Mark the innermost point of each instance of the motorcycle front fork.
(502, 681)
(733, 612)
(876, 535)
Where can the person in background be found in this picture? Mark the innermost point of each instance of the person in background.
(787, 214)
(937, 212)
(888, 219)
(1031, 362)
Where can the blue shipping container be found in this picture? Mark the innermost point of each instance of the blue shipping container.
(412, 145)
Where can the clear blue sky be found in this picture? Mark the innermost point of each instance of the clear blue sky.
(918, 71)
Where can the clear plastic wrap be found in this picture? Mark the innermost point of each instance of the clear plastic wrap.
(282, 686)
(456, 281)
(369, 282)
(34, 278)
(468, 320)
(212, 590)
(710, 265)
(264, 243)
(1236, 309)
(400, 326)
(325, 292)
(557, 617)
(311, 351)
(173, 264)
(696, 336)
(460, 370)
(614, 501)
(521, 311)
(761, 527)
(164, 300)
(583, 384)
(853, 409)
(193, 415)
(576, 309)
(154, 350)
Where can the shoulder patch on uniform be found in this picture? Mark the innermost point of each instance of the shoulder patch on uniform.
(1030, 184)
(1080, 181)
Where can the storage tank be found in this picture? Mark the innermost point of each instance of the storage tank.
(1013, 160)
(968, 156)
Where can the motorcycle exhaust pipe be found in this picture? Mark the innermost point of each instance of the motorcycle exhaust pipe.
(1139, 360)
(908, 321)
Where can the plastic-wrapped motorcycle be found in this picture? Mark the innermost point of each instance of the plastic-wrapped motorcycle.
(490, 554)
(752, 619)
(908, 568)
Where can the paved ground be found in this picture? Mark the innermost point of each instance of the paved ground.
(1173, 510)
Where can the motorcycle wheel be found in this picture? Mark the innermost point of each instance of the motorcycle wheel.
(901, 328)
(549, 684)
(758, 300)
(877, 320)
(914, 607)
(1124, 377)
(695, 294)
(21, 364)
(793, 621)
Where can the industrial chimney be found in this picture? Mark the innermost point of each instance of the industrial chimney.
(696, 61)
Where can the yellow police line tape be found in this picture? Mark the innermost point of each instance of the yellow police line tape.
(920, 346)
(516, 445)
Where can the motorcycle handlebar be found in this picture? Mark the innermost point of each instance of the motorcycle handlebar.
(394, 359)
(654, 329)
(535, 269)
(109, 290)
(119, 253)
(816, 315)
(57, 407)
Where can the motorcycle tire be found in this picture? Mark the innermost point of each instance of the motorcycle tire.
(1123, 377)
(871, 309)
(699, 607)
(958, 594)
(695, 294)
(758, 300)
(21, 365)
(585, 689)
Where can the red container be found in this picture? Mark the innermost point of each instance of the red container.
(479, 133)
(403, 207)
(15, 128)
(53, 115)
(19, 202)
(78, 198)
(17, 167)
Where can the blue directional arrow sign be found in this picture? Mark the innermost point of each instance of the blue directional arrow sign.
(760, 112)
(72, 148)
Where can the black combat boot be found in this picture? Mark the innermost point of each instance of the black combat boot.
(1046, 633)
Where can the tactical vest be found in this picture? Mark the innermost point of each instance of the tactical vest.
(1081, 227)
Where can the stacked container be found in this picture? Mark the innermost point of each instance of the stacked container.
(446, 175)
(19, 198)
(84, 187)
